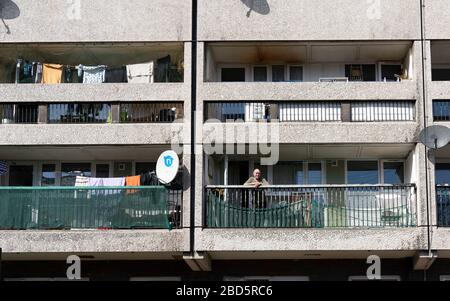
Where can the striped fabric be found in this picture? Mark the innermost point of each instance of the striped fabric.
(3, 167)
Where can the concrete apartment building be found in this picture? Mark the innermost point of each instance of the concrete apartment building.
(344, 88)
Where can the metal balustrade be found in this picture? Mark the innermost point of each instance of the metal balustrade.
(48, 208)
(79, 113)
(152, 112)
(18, 113)
(315, 206)
(383, 111)
(443, 205)
(317, 111)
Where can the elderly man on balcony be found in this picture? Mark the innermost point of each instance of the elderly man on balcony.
(256, 180)
(255, 199)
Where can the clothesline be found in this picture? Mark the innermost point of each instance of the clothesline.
(49, 73)
(146, 179)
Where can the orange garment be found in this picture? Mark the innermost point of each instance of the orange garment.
(133, 181)
(52, 73)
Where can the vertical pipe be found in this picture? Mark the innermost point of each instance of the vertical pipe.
(193, 136)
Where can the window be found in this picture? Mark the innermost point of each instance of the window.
(390, 72)
(298, 173)
(362, 172)
(233, 74)
(442, 173)
(23, 113)
(259, 74)
(144, 167)
(48, 177)
(441, 74)
(69, 172)
(102, 170)
(295, 73)
(393, 172)
(441, 110)
(444, 278)
(278, 73)
(314, 173)
(365, 73)
(288, 173)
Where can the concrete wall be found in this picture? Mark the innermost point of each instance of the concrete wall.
(437, 19)
(310, 20)
(99, 20)
(90, 134)
(17, 244)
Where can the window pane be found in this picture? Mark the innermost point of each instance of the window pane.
(296, 73)
(315, 173)
(389, 72)
(48, 177)
(69, 172)
(102, 171)
(278, 73)
(286, 173)
(260, 74)
(393, 173)
(145, 167)
(441, 110)
(442, 173)
(233, 74)
(362, 172)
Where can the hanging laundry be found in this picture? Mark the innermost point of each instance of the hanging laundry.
(24, 72)
(93, 74)
(82, 181)
(162, 69)
(107, 182)
(140, 73)
(116, 75)
(38, 73)
(133, 181)
(52, 73)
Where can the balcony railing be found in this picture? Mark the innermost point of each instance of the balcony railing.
(79, 113)
(443, 205)
(18, 113)
(317, 206)
(319, 111)
(47, 208)
(150, 112)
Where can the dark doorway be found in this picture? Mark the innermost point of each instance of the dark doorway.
(21, 175)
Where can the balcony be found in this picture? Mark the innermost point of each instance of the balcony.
(316, 206)
(65, 208)
(443, 205)
(91, 113)
(319, 111)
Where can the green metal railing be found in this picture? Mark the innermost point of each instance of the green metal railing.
(49, 208)
(315, 206)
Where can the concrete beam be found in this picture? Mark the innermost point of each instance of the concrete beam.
(198, 262)
(424, 259)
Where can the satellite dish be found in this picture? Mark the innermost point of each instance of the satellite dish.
(8, 10)
(435, 137)
(258, 6)
(167, 167)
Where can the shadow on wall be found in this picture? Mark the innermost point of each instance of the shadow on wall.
(258, 6)
(8, 11)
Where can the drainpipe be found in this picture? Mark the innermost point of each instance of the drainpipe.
(193, 120)
(425, 123)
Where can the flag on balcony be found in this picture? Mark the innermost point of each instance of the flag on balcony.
(3, 167)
